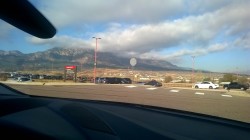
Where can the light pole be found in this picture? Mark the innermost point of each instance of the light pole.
(237, 75)
(193, 80)
(96, 38)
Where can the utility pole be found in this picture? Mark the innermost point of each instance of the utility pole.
(52, 66)
(193, 69)
(237, 75)
(95, 56)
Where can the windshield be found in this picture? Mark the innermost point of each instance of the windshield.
(176, 54)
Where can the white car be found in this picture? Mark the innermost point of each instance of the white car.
(205, 84)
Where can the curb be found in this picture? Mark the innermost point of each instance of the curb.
(45, 83)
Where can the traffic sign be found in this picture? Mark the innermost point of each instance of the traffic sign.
(133, 62)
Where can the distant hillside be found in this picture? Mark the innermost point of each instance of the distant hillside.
(57, 58)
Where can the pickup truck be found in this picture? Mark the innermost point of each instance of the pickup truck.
(235, 85)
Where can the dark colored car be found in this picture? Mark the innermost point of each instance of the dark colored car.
(24, 79)
(235, 85)
(126, 81)
(113, 80)
(109, 80)
(100, 80)
(97, 80)
(154, 83)
(35, 76)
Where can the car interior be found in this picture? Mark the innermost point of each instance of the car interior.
(24, 116)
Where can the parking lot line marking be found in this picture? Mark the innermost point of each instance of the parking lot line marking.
(199, 93)
(173, 90)
(151, 88)
(130, 86)
(225, 95)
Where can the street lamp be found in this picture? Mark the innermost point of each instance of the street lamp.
(237, 75)
(193, 79)
(96, 38)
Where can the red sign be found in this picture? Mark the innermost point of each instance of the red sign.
(70, 67)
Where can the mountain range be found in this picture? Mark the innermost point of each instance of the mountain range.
(57, 58)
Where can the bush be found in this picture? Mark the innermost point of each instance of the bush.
(3, 77)
(207, 79)
(168, 79)
(242, 80)
(228, 78)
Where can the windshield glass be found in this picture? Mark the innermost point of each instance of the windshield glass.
(176, 54)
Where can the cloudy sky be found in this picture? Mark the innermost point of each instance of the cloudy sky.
(216, 32)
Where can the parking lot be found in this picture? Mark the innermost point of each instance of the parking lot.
(217, 102)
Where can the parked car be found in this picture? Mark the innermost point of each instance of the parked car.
(235, 85)
(126, 81)
(99, 80)
(113, 80)
(206, 84)
(24, 79)
(154, 83)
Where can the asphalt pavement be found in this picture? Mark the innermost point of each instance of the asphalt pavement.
(213, 102)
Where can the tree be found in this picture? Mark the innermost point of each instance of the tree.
(3, 77)
(168, 79)
(242, 80)
(228, 78)
(207, 79)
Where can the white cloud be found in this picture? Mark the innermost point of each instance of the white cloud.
(243, 42)
(185, 52)
(200, 32)
(203, 6)
(60, 41)
(65, 12)
(5, 29)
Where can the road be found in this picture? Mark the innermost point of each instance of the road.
(212, 102)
